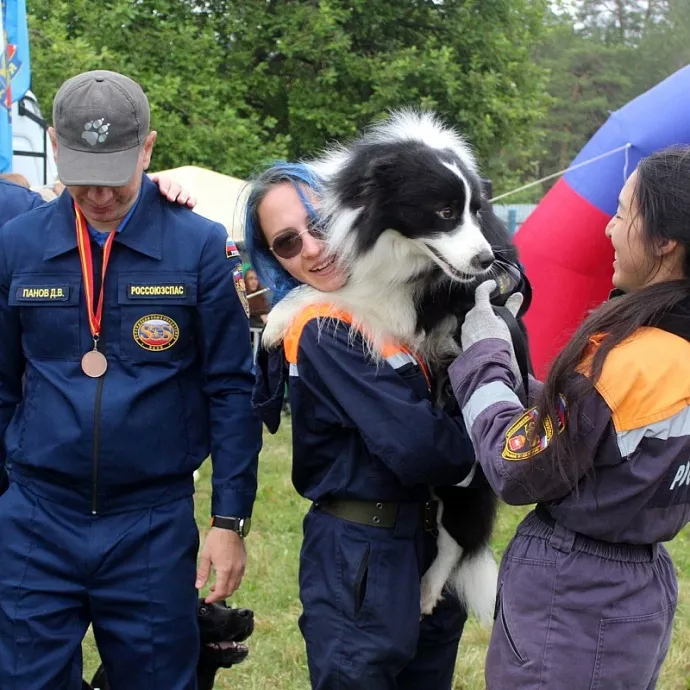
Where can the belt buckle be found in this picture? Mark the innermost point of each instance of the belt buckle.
(430, 515)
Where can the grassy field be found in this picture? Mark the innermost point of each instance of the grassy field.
(277, 661)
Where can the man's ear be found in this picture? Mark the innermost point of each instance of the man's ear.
(147, 149)
(53, 141)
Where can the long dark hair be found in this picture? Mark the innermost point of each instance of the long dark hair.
(662, 194)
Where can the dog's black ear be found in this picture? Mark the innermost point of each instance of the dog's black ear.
(368, 173)
(381, 172)
(381, 166)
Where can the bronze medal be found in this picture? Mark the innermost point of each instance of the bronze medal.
(94, 364)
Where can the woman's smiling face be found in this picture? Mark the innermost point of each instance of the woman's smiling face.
(282, 211)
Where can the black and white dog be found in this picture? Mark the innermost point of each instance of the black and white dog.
(403, 211)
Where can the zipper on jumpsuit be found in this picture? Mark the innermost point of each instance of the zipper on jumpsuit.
(97, 405)
(96, 435)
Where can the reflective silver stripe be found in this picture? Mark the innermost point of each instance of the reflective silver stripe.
(470, 476)
(400, 359)
(294, 371)
(484, 397)
(675, 426)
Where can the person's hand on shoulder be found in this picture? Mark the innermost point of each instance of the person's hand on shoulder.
(173, 191)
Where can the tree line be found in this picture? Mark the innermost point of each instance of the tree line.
(237, 83)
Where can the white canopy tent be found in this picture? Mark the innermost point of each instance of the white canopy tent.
(219, 197)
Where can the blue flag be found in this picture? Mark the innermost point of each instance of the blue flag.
(5, 101)
(18, 60)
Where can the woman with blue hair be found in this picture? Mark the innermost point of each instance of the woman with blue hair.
(367, 443)
(286, 194)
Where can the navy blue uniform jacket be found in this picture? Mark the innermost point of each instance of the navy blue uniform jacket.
(179, 376)
(362, 427)
(15, 200)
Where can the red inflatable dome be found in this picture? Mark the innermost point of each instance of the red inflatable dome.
(566, 255)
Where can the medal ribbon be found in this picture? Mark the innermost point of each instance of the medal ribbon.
(84, 244)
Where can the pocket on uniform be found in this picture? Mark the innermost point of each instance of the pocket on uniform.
(156, 315)
(508, 625)
(356, 576)
(49, 314)
(628, 650)
(361, 581)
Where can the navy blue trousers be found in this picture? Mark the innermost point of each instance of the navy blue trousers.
(360, 592)
(129, 574)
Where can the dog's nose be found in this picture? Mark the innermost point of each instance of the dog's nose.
(482, 261)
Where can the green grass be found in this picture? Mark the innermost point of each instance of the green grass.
(277, 660)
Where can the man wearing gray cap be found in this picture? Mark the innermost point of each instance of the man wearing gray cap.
(121, 314)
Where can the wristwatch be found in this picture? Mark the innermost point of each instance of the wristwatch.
(239, 525)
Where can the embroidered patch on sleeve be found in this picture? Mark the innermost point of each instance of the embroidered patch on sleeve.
(522, 443)
(238, 278)
(231, 251)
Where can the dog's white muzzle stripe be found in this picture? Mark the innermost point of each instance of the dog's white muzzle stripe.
(484, 397)
(455, 251)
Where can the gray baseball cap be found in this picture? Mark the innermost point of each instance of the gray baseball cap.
(101, 120)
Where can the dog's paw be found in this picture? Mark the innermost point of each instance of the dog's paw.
(429, 597)
(280, 317)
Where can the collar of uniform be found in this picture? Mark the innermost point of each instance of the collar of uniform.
(61, 235)
(145, 227)
(144, 235)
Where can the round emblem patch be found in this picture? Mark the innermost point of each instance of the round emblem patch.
(155, 332)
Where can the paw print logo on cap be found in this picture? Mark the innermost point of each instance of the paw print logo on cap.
(96, 131)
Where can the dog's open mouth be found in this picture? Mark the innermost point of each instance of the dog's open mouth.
(224, 654)
(236, 646)
(225, 648)
(451, 271)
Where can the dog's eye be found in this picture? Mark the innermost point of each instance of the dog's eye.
(447, 213)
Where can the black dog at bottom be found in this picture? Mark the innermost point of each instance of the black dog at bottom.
(222, 631)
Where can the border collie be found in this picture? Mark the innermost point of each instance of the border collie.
(403, 211)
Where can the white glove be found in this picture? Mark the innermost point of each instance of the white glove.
(481, 323)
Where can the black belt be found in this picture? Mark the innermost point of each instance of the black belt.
(375, 513)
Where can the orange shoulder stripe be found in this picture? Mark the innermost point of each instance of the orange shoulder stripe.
(330, 311)
(645, 379)
(313, 311)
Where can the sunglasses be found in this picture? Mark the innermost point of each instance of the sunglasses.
(288, 244)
